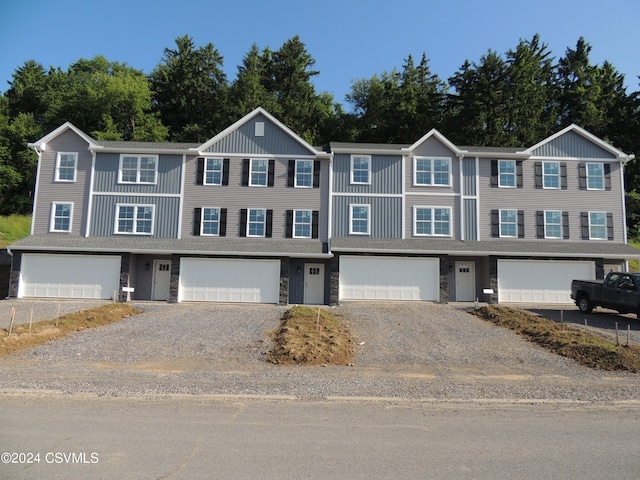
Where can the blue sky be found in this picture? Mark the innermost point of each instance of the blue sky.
(349, 39)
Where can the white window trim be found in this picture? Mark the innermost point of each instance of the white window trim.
(135, 216)
(351, 171)
(295, 175)
(545, 224)
(559, 176)
(264, 223)
(351, 207)
(202, 234)
(515, 174)
(52, 219)
(431, 159)
(515, 235)
(591, 237)
(432, 208)
(206, 162)
(139, 159)
(75, 166)
(266, 178)
(586, 169)
(310, 224)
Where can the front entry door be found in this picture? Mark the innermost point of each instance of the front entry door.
(465, 281)
(313, 283)
(161, 279)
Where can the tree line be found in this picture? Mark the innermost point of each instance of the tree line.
(513, 99)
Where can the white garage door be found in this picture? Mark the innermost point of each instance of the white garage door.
(226, 280)
(69, 276)
(389, 278)
(536, 281)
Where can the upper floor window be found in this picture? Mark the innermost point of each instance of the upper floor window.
(597, 225)
(359, 221)
(302, 224)
(595, 176)
(138, 169)
(258, 173)
(507, 173)
(135, 219)
(213, 171)
(509, 223)
(66, 166)
(432, 171)
(552, 224)
(361, 169)
(61, 214)
(256, 224)
(432, 221)
(304, 173)
(210, 224)
(550, 175)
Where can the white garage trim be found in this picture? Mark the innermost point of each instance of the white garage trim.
(540, 281)
(69, 276)
(229, 280)
(389, 278)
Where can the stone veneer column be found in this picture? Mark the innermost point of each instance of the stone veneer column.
(14, 277)
(284, 282)
(174, 280)
(444, 279)
(599, 268)
(493, 279)
(334, 280)
(125, 272)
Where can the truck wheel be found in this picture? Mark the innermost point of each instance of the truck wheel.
(584, 304)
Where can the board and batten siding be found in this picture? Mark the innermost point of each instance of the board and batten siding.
(434, 202)
(531, 199)
(166, 214)
(386, 175)
(385, 216)
(69, 192)
(235, 197)
(168, 179)
(572, 145)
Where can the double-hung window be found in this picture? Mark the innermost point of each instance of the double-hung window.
(359, 221)
(552, 224)
(138, 169)
(509, 223)
(258, 173)
(430, 221)
(302, 224)
(61, 214)
(551, 175)
(361, 169)
(210, 223)
(256, 224)
(66, 166)
(432, 171)
(134, 219)
(595, 176)
(507, 173)
(304, 173)
(213, 171)
(597, 225)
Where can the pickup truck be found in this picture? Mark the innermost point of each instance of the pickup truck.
(619, 291)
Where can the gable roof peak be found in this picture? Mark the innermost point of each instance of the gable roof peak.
(41, 144)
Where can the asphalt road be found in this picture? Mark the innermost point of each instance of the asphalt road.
(79, 437)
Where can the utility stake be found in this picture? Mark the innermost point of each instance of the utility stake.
(617, 338)
(628, 332)
(561, 315)
(13, 314)
(318, 321)
(30, 320)
(58, 316)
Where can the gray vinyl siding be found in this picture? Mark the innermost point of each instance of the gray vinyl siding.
(432, 201)
(530, 199)
(235, 197)
(51, 191)
(168, 179)
(572, 145)
(469, 177)
(166, 214)
(386, 175)
(243, 139)
(470, 220)
(385, 213)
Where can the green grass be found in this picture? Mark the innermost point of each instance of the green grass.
(634, 265)
(13, 228)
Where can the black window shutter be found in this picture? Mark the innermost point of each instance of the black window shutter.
(289, 224)
(225, 171)
(584, 225)
(222, 231)
(519, 182)
(197, 216)
(582, 176)
(314, 224)
(291, 172)
(243, 223)
(316, 174)
(245, 172)
(272, 168)
(520, 223)
(565, 225)
(563, 176)
(268, 224)
(609, 226)
(607, 176)
(537, 168)
(540, 224)
(200, 172)
(495, 223)
(494, 173)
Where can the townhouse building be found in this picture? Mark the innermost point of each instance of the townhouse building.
(256, 214)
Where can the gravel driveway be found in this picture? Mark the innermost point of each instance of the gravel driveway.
(409, 350)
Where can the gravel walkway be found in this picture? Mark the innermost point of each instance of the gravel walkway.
(409, 351)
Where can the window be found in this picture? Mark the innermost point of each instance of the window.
(213, 171)
(509, 223)
(302, 224)
(432, 171)
(258, 173)
(595, 176)
(66, 165)
(136, 219)
(304, 173)
(552, 224)
(361, 169)
(597, 225)
(141, 169)
(256, 222)
(550, 175)
(507, 173)
(210, 221)
(61, 214)
(359, 219)
(432, 221)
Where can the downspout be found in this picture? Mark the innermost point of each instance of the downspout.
(38, 151)
(461, 186)
(90, 199)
